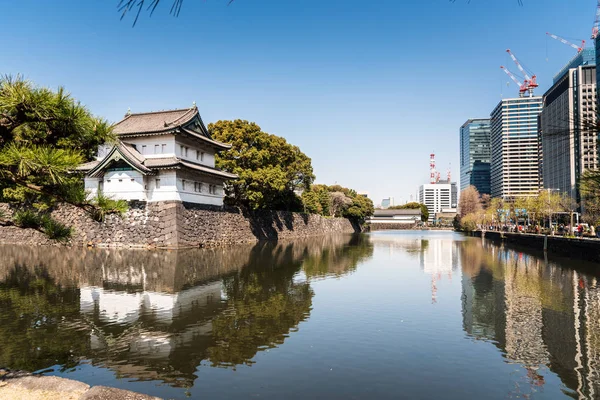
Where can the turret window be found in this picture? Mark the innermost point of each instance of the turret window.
(184, 150)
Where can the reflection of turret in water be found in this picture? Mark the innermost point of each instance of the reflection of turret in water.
(157, 315)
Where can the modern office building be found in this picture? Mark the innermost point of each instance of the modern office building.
(514, 147)
(475, 154)
(585, 57)
(597, 48)
(568, 142)
(387, 203)
(438, 197)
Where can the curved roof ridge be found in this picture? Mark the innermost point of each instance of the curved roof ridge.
(195, 109)
(163, 111)
(157, 121)
(210, 140)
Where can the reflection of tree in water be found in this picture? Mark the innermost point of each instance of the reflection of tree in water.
(338, 260)
(35, 313)
(157, 315)
(264, 304)
(264, 301)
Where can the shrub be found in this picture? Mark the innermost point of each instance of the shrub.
(27, 219)
(105, 205)
(55, 230)
(42, 222)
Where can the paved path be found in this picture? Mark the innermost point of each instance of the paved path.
(24, 386)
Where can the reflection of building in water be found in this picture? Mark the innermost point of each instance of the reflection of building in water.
(158, 315)
(537, 313)
(438, 259)
(166, 310)
(436, 253)
(125, 300)
(524, 343)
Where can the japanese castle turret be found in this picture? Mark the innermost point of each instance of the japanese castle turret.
(159, 156)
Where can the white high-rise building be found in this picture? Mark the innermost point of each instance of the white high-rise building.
(437, 197)
(514, 141)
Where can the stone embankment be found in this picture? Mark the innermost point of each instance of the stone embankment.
(581, 248)
(24, 386)
(176, 225)
(373, 227)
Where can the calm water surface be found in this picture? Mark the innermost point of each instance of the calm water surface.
(419, 315)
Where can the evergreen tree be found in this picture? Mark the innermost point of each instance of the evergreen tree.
(270, 170)
(44, 136)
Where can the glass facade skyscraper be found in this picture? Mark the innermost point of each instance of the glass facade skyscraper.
(515, 152)
(569, 147)
(475, 154)
(585, 57)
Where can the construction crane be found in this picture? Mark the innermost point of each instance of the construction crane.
(432, 172)
(578, 48)
(530, 80)
(523, 87)
(596, 22)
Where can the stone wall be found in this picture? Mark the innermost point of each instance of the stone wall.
(390, 226)
(174, 224)
(581, 248)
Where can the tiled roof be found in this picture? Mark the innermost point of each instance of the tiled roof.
(187, 121)
(129, 154)
(222, 146)
(87, 166)
(157, 121)
(148, 165)
(208, 170)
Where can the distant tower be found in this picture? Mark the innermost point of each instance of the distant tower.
(432, 174)
(449, 173)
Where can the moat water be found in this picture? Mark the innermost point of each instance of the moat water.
(416, 315)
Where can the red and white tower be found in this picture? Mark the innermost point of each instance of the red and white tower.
(432, 174)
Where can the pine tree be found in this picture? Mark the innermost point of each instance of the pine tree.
(44, 136)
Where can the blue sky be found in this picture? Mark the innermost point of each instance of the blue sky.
(367, 89)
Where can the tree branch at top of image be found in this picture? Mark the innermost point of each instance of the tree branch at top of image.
(136, 6)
